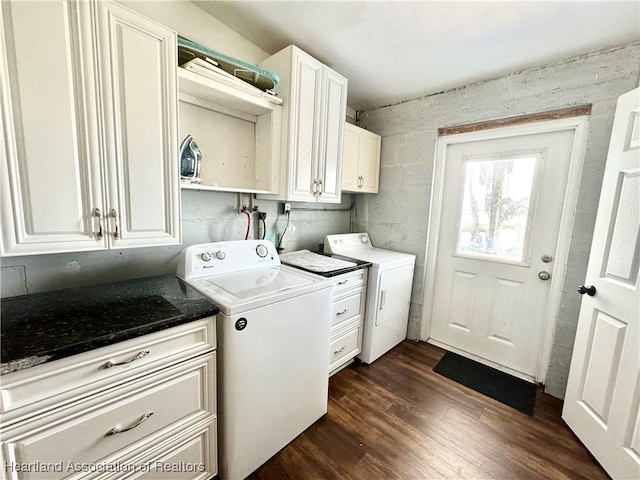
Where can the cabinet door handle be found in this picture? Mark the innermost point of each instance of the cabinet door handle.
(98, 213)
(342, 312)
(319, 187)
(383, 297)
(342, 282)
(110, 364)
(315, 188)
(115, 430)
(114, 215)
(335, 352)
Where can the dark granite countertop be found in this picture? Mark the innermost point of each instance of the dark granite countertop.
(47, 326)
(360, 264)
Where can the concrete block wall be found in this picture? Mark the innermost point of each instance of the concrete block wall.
(397, 217)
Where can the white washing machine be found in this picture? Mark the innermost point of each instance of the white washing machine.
(273, 336)
(388, 291)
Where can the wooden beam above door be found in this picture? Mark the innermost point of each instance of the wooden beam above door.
(578, 111)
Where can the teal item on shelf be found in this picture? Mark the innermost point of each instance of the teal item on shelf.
(252, 74)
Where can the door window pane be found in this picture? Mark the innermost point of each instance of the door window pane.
(496, 208)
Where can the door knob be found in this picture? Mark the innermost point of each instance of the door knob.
(544, 275)
(589, 290)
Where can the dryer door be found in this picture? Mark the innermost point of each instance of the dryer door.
(394, 293)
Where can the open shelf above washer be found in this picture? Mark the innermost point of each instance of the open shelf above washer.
(236, 128)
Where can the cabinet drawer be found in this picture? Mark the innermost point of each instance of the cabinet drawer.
(91, 432)
(347, 308)
(348, 280)
(192, 456)
(345, 347)
(45, 386)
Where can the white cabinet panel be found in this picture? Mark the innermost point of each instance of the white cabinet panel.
(89, 122)
(347, 318)
(315, 99)
(350, 159)
(361, 160)
(163, 409)
(139, 68)
(50, 167)
(331, 140)
(303, 140)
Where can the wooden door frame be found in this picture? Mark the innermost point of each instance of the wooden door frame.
(580, 126)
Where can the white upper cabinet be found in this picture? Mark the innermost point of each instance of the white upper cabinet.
(50, 170)
(315, 99)
(138, 58)
(361, 160)
(89, 155)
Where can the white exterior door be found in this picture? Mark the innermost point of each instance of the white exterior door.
(602, 402)
(501, 214)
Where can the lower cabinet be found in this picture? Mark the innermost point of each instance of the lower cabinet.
(161, 424)
(348, 310)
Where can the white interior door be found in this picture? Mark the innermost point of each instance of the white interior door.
(602, 402)
(500, 218)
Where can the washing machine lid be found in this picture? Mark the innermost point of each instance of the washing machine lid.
(246, 290)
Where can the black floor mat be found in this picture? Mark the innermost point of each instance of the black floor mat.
(505, 388)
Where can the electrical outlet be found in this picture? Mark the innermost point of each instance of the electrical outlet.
(286, 208)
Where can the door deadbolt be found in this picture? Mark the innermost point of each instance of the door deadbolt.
(544, 275)
(546, 258)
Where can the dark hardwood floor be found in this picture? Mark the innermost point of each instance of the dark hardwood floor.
(397, 419)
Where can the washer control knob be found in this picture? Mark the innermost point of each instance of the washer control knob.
(262, 251)
(220, 255)
(206, 256)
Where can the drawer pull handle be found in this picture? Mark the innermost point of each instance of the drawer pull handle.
(342, 282)
(110, 364)
(335, 352)
(342, 312)
(115, 430)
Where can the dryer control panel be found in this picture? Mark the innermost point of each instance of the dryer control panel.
(341, 243)
(217, 258)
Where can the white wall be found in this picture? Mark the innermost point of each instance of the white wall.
(193, 23)
(206, 216)
(396, 218)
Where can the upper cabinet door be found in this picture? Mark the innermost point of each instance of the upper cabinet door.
(369, 161)
(314, 108)
(361, 160)
(350, 158)
(304, 118)
(49, 165)
(331, 136)
(139, 71)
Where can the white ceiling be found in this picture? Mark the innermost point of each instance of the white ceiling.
(392, 51)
